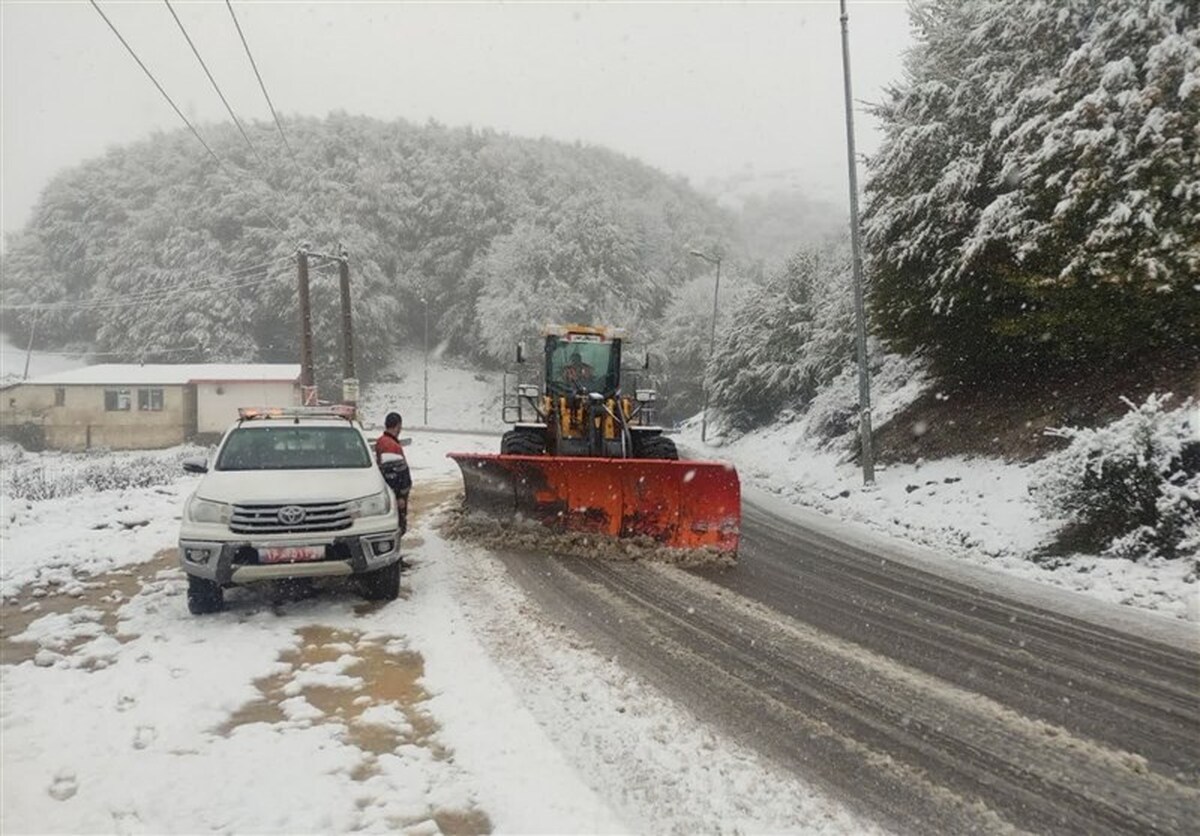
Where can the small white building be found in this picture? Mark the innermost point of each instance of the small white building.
(140, 406)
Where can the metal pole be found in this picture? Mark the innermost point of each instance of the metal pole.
(308, 386)
(864, 378)
(712, 337)
(425, 302)
(349, 379)
(712, 345)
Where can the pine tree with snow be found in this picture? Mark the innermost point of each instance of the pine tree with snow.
(1037, 194)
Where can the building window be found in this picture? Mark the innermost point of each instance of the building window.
(116, 400)
(60, 396)
(150, 400)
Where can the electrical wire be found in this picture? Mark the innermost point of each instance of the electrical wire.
(220, 163)
(262, 86)
(154, 81)
(274, 114)
(213, 81)
(177, 350)
(227, 282)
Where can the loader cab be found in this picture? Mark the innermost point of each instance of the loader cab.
(580, 363)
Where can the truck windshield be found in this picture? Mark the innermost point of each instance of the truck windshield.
(574, 367)
(293, 448)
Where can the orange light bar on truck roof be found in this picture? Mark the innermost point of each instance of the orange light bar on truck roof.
(250, 413)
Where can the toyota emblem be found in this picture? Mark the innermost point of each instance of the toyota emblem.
(291, 514)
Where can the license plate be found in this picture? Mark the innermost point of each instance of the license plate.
(291, 554)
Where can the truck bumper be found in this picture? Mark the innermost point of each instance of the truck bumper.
(235, 562)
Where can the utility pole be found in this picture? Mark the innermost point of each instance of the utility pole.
(308, 386)
(349, 380)
(29, 348)
(864, 378)
(425, 302)
(712, 337)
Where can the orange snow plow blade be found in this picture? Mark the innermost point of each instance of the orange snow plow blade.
(681, 504)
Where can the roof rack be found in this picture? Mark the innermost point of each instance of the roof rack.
(255, 413)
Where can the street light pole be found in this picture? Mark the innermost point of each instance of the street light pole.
(864, 379)
(712, 338)
(425, 302)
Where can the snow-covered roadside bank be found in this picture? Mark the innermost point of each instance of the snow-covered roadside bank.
(455, 708)
(975, 510)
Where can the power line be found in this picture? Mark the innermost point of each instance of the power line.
(155, 82)
(213, 81)
(220, 164)
(261, 85)
(271, 105)
(230, 281)
(176, 350)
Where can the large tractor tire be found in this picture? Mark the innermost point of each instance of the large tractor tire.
(522, 443)
(656, 447)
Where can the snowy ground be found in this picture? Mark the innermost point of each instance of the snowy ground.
(456, 708)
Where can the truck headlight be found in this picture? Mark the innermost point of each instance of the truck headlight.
(206, 511)
(375, 505)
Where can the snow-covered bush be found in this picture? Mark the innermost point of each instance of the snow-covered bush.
(1132, 488)
(34, 478)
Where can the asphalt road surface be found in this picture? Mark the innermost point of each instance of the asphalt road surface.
(927, 704)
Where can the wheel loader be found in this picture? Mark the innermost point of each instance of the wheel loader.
(585, 454)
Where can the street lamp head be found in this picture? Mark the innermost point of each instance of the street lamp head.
(709, 258)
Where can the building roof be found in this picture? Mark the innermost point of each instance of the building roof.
(167, 374)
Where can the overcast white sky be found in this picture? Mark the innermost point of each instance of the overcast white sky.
(701, 89)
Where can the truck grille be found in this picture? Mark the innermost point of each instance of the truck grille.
(299, 517)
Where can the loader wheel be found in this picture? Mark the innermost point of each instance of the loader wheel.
(522, 443)
(656, 447)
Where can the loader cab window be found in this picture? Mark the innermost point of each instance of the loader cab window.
(576, 367)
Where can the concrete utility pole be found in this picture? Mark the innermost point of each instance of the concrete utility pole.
(425, 302)
(29, 348)
(349, 379)
(308, 386)
(864, 378)
(712, 338)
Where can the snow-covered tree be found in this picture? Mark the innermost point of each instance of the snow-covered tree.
(1038, 190)
(785, 339)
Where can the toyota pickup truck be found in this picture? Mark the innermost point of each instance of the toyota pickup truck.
(289, 493)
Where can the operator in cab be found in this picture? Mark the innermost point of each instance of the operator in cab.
(578, 373)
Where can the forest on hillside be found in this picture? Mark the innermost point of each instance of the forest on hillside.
(157, 252)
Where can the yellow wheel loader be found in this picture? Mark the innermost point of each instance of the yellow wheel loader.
(585, 454)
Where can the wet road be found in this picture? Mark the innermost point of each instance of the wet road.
(928, 704)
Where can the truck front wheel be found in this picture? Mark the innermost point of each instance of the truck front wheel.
(204, 596)
(382, 584)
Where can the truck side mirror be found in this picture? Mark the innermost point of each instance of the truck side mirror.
(195, 464)
(520, 353)
(646, 364)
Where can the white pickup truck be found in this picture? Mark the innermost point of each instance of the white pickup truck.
(289, 493)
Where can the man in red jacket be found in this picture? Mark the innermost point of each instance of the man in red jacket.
(397, 476)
